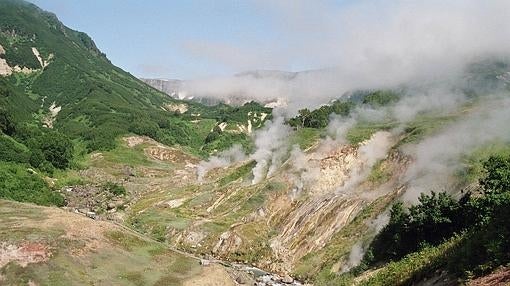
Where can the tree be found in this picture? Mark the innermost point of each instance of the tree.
(57, 149)
(381, 98)
(436, 217)
(36, 158)
(6, 123)
(144, 127)
(303, 115)
(497, 177)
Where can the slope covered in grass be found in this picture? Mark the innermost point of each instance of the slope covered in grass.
(47, 246)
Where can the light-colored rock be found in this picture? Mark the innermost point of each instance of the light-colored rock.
(91, 215)
(24, 254)
(175, 203)
(181, 108)
(228, 243)
(24, 70)
(133, 141)
(222, 126)
(44, 63)
(50, 118)
(5, 69)
(287, 279)
(38, 56)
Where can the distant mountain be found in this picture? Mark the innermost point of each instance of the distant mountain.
(263, 74)
(177, 88)
(168, 86)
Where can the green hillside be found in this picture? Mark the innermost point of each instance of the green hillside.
(62, 98)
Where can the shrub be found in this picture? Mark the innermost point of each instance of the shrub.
(114, 188)
(437, 217)
(57, 149)
(12, 151)
(18, 184)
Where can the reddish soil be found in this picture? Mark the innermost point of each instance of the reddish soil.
(500, 277)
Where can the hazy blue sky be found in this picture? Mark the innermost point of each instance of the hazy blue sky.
(188, 39)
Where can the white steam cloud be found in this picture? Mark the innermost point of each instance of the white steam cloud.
(223, 159)
(438, 157)
(369, 153)
(271, 148)
(364, 45)
(355, 257)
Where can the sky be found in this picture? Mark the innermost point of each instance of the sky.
(189, 39)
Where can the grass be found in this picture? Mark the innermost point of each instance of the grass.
(407, 271)
(415, 266)
(379, 173)
(125, 242)
(240, 172)
(305, 137)
(363, 131)
(424, 125)
(123, 258)
(474, 161)
(204, 126)
(67, 178)
(129, 156)
(154, 222)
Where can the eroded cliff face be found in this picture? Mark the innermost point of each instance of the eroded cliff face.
(6, 69)
(272, 224)
(299, 216)
(328, 202)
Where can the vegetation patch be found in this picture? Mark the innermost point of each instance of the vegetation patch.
(379, 173)
(127, 242)
(364, 131)
(305, 137)
(19, 184)
(240, 172)
(426, 232)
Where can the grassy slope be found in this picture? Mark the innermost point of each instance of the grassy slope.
(84, 251)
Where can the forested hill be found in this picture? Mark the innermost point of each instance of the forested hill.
(60, 98)
(59, 68)
(57, 77)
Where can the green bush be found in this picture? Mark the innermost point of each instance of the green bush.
(115, 189)
(437, 217)
(488, 243)
(483, 218)
(57, 149)
(225, 140)
(497, 178)
(319, 118)
(18, 184)
(381, 98)
(12, 151)
(7, 124)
